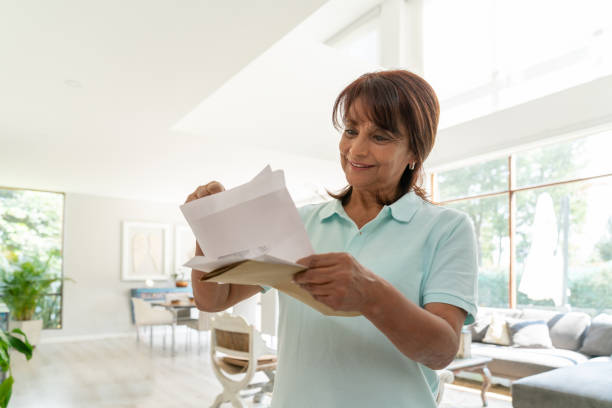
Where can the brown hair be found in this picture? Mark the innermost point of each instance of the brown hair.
(395, 100)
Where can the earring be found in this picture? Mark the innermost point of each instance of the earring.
(411, 166)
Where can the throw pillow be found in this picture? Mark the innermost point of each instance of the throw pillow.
(478, 329)
(598, 340)
(567, 329)
(497, 333)
(529, 333)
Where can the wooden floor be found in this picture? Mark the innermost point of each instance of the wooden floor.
(122, 373)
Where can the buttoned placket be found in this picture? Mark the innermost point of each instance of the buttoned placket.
(360, 236)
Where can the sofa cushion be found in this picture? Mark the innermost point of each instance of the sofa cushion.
(538, 314)
(585, 385)
(598, 340)
(566, 329)
(497, 333)
(529, 333)
(479, 328)
(513, 362)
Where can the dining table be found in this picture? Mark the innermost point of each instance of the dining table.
(174, 307)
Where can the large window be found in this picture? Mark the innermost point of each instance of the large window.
(361, 39)
(543, 222)
(485, 55)
(31, 224)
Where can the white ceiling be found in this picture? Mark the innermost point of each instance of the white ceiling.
(168, 94)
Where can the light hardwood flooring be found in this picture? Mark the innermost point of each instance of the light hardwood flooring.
(122, 373)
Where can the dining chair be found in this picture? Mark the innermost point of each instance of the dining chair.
(146, 315)
(201, 324)
(183, 297)
(237, 348)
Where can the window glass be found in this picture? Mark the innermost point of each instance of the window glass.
(481, 178)
(490, 218)
(360, 40)
(495, 66)
(31, 225)
(564, 246)
(584, 157)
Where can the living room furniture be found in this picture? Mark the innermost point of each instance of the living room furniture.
(201, 324)
(237, 348)
(475, 364)
(156, 294)
(568, 332)
(145, 315)
(444, 377)
(176, 308)
(571, 367)
(587, 385)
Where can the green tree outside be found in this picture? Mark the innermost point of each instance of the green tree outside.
(490, 218)
(31, 225)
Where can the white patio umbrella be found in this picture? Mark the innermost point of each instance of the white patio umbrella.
(543, 274)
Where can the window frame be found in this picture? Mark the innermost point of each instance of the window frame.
(510, 193)
(62, 236)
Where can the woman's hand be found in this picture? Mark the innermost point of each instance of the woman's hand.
(337, 280)
(213, 187)
(211, 296)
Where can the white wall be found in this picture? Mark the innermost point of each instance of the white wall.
(97, 303)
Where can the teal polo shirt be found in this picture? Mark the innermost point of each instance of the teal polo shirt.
(428, 253)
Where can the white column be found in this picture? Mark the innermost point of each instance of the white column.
(411, 49)
(401, 34)
(390, 26)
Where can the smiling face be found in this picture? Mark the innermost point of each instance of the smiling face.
(373, 159)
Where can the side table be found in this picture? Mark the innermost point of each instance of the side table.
(475, 364)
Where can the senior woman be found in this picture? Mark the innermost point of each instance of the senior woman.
(381, 249)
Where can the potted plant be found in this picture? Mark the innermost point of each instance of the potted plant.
(23, 289)
(13, 340)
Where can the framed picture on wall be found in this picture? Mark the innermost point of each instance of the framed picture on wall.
(184, 250)
(145, 252)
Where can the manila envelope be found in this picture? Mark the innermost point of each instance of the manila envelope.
(276, 275)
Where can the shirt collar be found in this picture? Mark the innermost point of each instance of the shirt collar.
(406, 207)
(402, 210)
(330, 208)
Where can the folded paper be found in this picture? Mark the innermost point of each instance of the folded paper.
(251, 235)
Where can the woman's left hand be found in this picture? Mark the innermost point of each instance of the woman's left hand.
(337, 280)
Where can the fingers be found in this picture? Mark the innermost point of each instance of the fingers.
(321, 260)
(317, 276)
(213, 187)
(326, 289)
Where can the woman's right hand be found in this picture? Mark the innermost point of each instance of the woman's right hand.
(209, 296)
(213, 187)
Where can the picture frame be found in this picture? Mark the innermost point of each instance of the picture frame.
(184, 250)
(145, 251)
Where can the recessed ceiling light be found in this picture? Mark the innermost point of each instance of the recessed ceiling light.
(73, 83)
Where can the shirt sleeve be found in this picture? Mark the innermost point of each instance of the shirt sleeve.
(453, 276)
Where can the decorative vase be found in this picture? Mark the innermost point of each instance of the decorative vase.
(31, 328)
